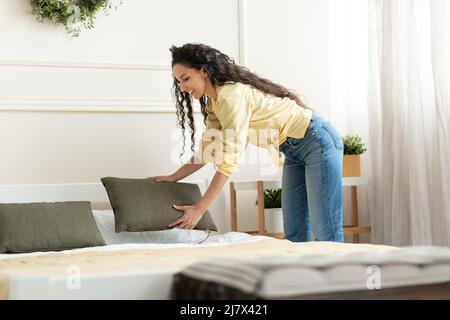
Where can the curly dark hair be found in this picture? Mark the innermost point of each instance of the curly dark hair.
(220, 69)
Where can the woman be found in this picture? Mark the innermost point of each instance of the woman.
(235, 101)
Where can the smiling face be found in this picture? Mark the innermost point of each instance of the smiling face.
(193, 81)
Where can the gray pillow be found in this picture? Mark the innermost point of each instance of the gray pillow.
(144, 205)
(47, 226)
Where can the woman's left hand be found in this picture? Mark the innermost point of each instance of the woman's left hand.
(190, 218)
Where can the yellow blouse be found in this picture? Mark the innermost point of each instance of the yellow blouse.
(242, 114)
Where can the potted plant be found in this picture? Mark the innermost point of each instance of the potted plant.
(272, 210)
(353, 148)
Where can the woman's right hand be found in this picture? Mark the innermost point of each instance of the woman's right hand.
(169, 178)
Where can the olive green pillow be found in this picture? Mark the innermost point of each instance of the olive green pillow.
(144, 205)
(47, 226)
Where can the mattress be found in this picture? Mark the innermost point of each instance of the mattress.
(140, 271)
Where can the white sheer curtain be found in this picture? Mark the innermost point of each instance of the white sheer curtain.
(348, 65)
(409, 117)
(390, 84)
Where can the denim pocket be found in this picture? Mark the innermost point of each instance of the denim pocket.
(292, 142)
(334, 135)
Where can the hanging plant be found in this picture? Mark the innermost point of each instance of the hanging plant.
(74, 15)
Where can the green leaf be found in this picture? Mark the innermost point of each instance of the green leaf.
(272, 198)
(353, 145)
(60, 12)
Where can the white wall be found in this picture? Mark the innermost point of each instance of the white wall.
(77, 109)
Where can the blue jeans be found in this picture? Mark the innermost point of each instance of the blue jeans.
(312, 184)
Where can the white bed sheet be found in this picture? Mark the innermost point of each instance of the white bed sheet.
(106, 224)
(213, 240)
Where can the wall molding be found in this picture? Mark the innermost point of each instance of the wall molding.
(84, 65)
(94, 105)
(87, 105)
(242, 32)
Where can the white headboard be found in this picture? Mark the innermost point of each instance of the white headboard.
(93, 192)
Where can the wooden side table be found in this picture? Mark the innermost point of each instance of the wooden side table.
(354, 229)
